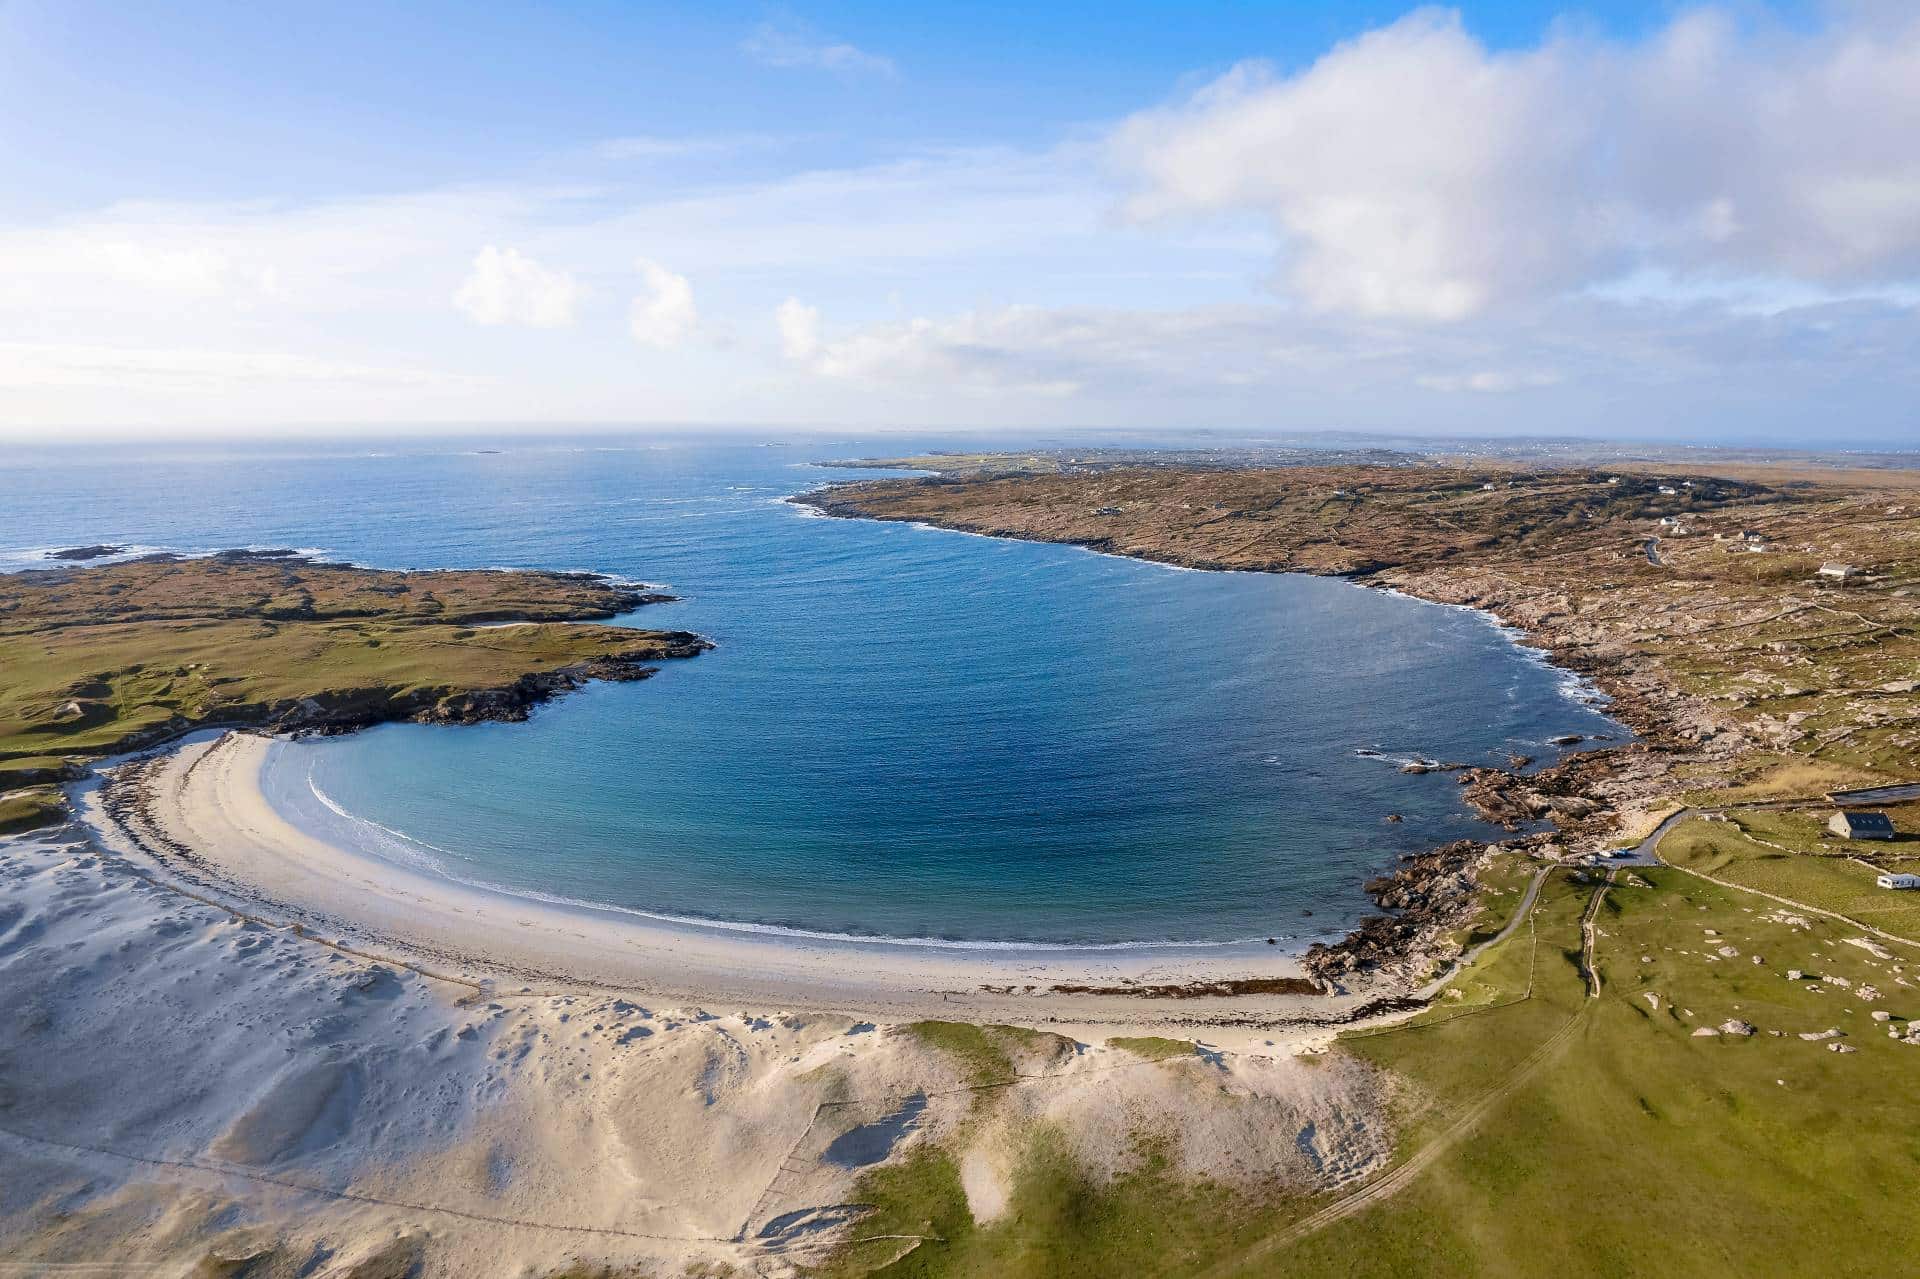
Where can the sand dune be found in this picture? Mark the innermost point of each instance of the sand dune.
(177, 1082)
(181, 1082)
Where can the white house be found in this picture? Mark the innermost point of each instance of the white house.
(1838, 572)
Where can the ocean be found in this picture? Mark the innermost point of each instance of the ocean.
(902, 734)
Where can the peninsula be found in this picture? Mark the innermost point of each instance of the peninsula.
(111, 658)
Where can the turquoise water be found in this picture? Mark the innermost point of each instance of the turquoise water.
(903, 733)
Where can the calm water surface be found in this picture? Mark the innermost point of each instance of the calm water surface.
(903, 733)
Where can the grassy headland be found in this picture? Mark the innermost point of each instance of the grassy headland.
(110, 658)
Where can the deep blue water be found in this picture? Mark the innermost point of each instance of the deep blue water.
(903, 732)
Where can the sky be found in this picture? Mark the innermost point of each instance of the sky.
(1626, 220)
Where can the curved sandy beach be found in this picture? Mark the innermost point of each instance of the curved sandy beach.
(198, 815)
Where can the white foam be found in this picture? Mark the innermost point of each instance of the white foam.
(408, 846)
(1569, 684)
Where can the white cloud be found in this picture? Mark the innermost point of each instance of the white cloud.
(507, 287)
(1608, 369)
(799, 326)
(1493, 381)
(791, 44)
(989, 353)
(1413, 172)
(663, 314)
(1706, 228)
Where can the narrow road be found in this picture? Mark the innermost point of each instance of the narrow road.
(1507, 930)
(1653, 552)
(1587, 933)
(1647, 851)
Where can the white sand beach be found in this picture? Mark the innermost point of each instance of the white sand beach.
(340, 1068)
(202, 819)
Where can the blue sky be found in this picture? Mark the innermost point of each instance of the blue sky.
(195, 100)
(1612, 218)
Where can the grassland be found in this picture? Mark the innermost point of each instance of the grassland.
(1153, 1047)
(107, 658)
(1781, 853)
(991, 1055)
(1636, 1148)
(26, 809)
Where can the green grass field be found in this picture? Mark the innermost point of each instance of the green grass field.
(1831, 881)
(1637, 1149)
(28, 809)
(95, 658)
(1154, 1047)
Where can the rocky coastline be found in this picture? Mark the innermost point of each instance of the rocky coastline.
(1558, 812)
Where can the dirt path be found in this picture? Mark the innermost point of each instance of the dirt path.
(1392, 1183)
(1467, 957)
(1649, 849)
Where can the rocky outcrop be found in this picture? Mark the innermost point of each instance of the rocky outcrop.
(347, 710)
(1427, 894)
(74, 554)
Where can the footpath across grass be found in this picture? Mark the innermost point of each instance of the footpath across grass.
(1640, 1147)
(1646, 1149)
(1830, 880)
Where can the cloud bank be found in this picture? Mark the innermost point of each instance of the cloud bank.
(1713, 231)
(1412, 172)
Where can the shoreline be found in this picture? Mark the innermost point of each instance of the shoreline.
(197, 815)
(1581, 796)
(418, 855)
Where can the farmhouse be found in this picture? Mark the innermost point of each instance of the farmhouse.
(1850, 824)
(1838, 572)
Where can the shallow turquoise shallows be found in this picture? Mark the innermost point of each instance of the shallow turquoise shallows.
(903, 733)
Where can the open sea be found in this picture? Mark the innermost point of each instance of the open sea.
(903, 733)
